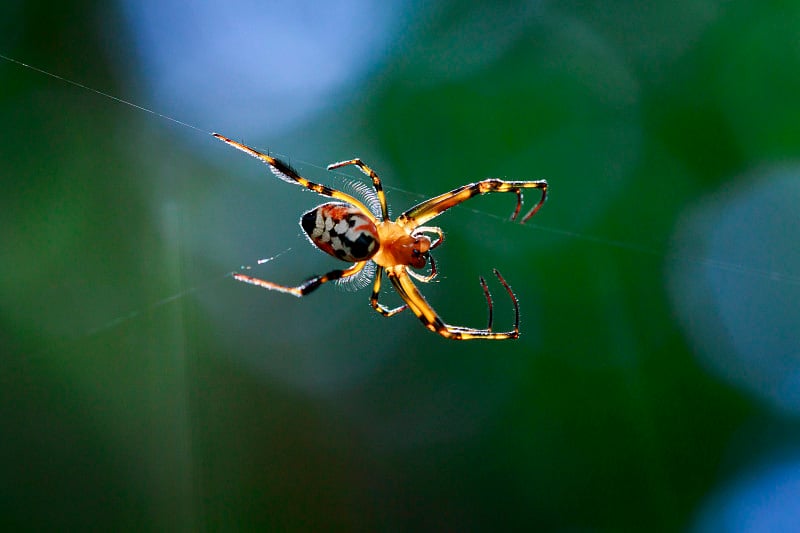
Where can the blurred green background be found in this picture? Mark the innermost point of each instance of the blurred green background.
(655, 385)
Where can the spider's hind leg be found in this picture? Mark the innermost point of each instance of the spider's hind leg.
(289, 175)
(307, 286)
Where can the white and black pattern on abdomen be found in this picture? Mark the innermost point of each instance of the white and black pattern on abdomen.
(341, 231)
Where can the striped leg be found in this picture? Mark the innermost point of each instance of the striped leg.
(307, 286)
(420, 307)
(376, 181)
(376, 290)
(434, 207)
(288, 174)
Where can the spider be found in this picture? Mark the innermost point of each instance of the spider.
(348, 230)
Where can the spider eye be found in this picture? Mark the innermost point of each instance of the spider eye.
(418, 258)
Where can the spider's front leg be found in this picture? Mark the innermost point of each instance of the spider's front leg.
(307, 286)
(421, 213)
(431, 320)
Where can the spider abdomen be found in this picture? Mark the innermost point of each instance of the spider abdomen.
(342, 231)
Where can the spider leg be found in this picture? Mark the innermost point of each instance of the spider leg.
(307, 286)
(420, 230)
(288, 174)
(373, 300)
(430, 229)
(421, 213)
(488, 301)
(429, 277)
(376, 181)
(420, 307)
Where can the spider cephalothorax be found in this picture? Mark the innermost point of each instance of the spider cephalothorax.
(348, 230)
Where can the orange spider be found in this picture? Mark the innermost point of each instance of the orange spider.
(349, 231)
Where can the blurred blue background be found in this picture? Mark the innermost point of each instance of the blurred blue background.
(656, 385)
